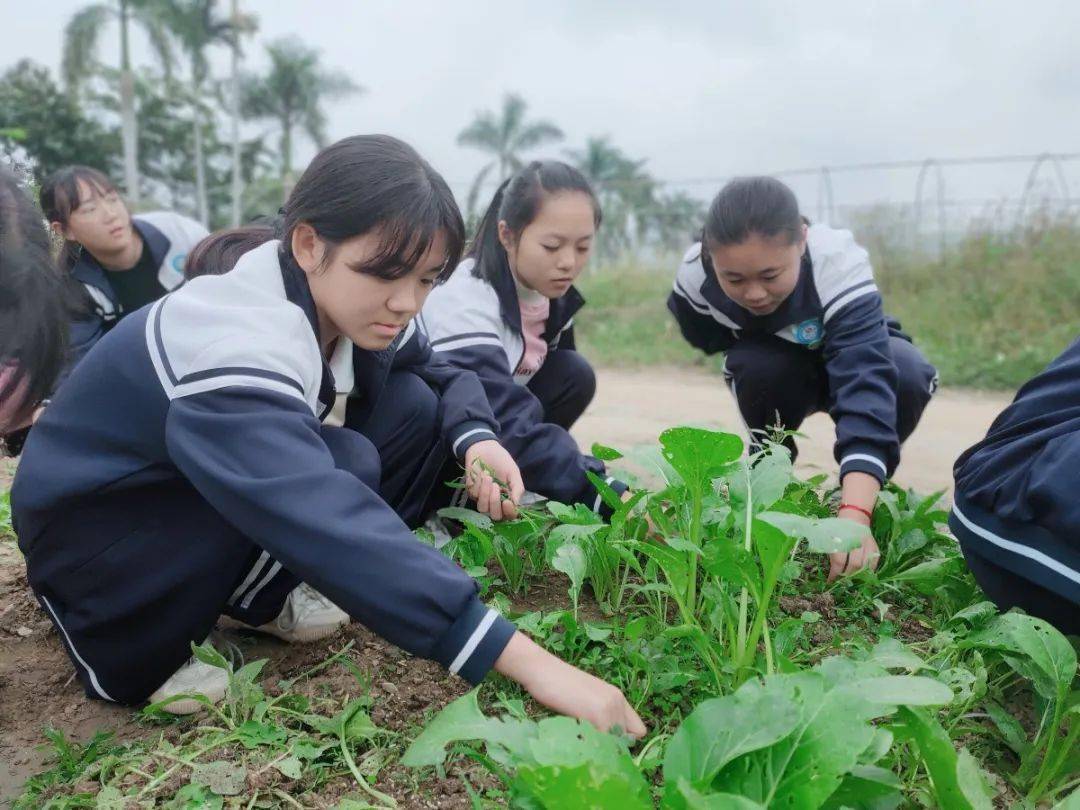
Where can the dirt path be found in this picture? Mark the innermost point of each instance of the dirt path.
(630, 410)
(632, 407)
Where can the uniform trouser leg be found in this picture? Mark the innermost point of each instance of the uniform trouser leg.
(132, 578)
(1007, 589)
(776, 382)
(916, 384)
(405, 428)
(565, 385)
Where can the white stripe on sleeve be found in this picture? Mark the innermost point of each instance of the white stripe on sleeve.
(864, 457)
(474, 640)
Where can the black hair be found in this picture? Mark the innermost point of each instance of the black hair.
(59, 198)
(517, 202)
(354, 187)
(752, 205)
(33, 302)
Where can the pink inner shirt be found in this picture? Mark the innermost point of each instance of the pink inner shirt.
(535, 309)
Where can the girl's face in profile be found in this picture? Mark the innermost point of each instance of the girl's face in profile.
(368, 310)
(551, 251)
(760, 272)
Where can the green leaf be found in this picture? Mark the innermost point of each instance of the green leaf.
(208, 655)
(224, 778)
(682, 544)
(463, 720)
(605, 453)
(570, 559)
(467, 516)
(773, 547)
(195, 797)
(110, 798)
(290, 767)
(905, 690)
(972, 782)
(572, 765)
(890, 653)
(698, 455)
(721, 729)
(938, 754)
(1052, 655)
(823, 535)
(358, 724)
(569, 532)
(1070, 802)
(835, 707)
(867, 787)
(683, 796)
(1011, 731)
(732, 563)
(253, 734)
(770, 476)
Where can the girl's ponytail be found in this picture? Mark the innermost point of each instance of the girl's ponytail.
(486, 249)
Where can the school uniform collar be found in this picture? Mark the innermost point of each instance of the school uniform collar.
(562, 309)
(796, 307)
(298, 292)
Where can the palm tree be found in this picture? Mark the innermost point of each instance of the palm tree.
(242, 24)
(626, 192)
(196, 26)
(291, 94)
(81, 37)
(505, 135)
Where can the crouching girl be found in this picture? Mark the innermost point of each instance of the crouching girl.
(183, 472)
(508, 315)
(796, 310)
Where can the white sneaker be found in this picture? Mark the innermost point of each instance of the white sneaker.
(193, 678)
(306, 616)
(439, 531)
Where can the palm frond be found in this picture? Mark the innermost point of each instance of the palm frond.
(482, 133)
(536, 134)
(81, 36)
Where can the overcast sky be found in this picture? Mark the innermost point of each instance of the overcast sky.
(703, 90)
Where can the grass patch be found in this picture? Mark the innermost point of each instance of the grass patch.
(992, 314)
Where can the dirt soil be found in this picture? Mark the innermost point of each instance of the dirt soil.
(37, 689)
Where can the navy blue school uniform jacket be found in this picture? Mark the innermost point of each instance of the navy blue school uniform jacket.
(169, 238)
(1017, 498)
(476, 326)
(222, 384)
(835, 310)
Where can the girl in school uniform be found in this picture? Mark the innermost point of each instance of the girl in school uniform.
(796, 310)
(122, 261)
(508, 315)
(1016, 510)
(33, 314)
(183, 471)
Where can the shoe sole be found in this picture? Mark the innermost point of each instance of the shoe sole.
(185, 706)
(301, 635)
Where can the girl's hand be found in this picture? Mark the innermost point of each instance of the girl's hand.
(858, 494)
(866, 556)
(566, 689)
(486, 465)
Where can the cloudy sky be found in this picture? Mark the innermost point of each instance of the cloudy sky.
(703, 90)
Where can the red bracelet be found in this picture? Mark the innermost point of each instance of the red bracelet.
(866, 512)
